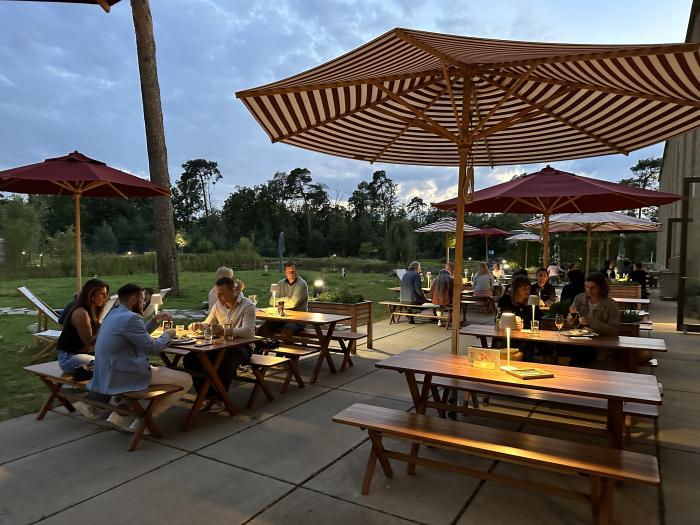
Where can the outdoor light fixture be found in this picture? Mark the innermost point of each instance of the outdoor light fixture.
(508, 322)
(533, 300)
(156, 300)
(503, 261)
(318, 283)
(506, 266)
(318, 287)
(428, 276)
(128, 253)
(274, 290)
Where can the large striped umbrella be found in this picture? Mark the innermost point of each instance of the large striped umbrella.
(447, 226)
(611, 222)
(414, 97)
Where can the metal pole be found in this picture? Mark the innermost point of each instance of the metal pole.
(78, 260)
(545, 240)
(588, 246)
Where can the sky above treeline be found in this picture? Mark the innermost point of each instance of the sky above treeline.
(69, 77)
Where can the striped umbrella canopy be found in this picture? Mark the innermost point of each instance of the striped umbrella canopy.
(486, 232)
(415, 97)
(526, 238)
(447, 226)
(612, 222)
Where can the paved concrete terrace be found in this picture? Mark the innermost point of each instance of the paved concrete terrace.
(286, 462)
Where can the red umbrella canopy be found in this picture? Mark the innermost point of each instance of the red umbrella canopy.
(553, 191)
(76, 174)
(104, 4)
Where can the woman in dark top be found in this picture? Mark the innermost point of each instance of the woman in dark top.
(77, 339)
(543, 288)
(575, 286)
(516, 300)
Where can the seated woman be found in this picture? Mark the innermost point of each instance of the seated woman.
(543, 288)
(593, 309)
(77, 341)
(574, 287)
(497, 271)
(483, 282)
(441, 290)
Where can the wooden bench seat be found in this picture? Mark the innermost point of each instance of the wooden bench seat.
(398, 309)
(588, 404)
(260, 365)
(55, 379)
(604, 466)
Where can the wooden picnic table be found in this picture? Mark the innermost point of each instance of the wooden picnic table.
(317, 321)
(626, 344)
(615, 387)
(211, 357)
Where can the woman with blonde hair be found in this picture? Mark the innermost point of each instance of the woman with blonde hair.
(483, 285)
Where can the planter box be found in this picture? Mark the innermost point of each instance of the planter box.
(361, 314)
(627, 291)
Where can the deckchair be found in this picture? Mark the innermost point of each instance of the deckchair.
(43, 310)
(400, 272)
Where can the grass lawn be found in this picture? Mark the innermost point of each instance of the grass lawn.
(21, 393)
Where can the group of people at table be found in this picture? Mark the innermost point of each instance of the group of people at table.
(587, 295)
(118, 348)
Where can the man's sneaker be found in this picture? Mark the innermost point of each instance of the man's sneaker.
(121, 422)
(135, 425)
(89, 412)
(216, 406)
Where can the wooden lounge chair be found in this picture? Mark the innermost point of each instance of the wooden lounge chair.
(43, 310)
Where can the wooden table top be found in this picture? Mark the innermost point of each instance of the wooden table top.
(606, 384)
(610, 342)
(295, 316)
(217, 343)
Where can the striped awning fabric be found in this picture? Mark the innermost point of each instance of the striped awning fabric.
(399, 99)
(443, 226)
(598, 222)
(524, 237)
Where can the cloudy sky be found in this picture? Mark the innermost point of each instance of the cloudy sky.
(69, 77)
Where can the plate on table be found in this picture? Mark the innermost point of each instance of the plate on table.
(580, 332)
(183, 340)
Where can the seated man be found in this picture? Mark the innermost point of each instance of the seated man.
(411, 288)
(237, 310)
(294, 293)
(121, 356)
(222, 271)
(543, 288)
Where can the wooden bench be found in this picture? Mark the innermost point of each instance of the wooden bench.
(588, 404)
(306, 342)
(44, 312)
(604, 466)
(398, 309)
(55, 379)
(260, 365)
(347, 340)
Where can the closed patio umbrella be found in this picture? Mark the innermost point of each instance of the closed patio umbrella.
(78, 176)
(612, 222)
(413, 97)
(447, 226)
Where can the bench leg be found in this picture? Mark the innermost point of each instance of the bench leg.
(55, 389)
(260, 384)
(379, 451)
(419, 401)
(146, 421)
(369, 472)
(293, 370)
(347, 360)
(602, 499)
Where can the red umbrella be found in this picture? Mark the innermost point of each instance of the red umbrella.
(104, 4)
(550, 191)
(77, 175)
(486, 232)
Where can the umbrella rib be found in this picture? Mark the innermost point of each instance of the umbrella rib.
(634, 52)
(429, 124)
(478, 116)
(610, 90)
(509, 93)
(570, 124)
(367, 106)
(451, 94)
(428, 49)
(407, 126)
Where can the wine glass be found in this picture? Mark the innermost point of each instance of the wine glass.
(559, 322)
(253, 299)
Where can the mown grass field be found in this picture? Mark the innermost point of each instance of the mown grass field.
(21, 393)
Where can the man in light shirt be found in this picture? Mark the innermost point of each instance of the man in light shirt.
(294, 293)
(231, 308)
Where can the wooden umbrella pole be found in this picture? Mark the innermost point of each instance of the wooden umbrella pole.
(526, 243)
(459, 249)
(545, 239)
(447, 247)
(78, 257)
(589, 240)
(486, 249)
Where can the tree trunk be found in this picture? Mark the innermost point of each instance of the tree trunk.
(164, 230)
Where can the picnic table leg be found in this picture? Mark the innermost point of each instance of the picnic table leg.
(347, 360)
(630, 361)
(484, 341)
(212, 378)
(145, 421)
(420, 399)
(259, 384)
(324, 340)
(616, 423)
(55, 394)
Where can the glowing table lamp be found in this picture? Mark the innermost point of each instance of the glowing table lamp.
(274, 290)
(156, 300)
(508, 322)
(533, 300)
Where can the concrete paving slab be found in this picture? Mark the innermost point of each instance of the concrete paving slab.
(294, 445)
(383, 383)
(214, 493)
(48, 482)
(679, 421)
(430, 496)
(679, 375)
(633, 503)
(306, 506)
(679, 472)
(23, 436)
(362, 366)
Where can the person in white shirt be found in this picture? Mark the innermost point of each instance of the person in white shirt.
(222, 271)
(231, 308)
(553, 271)
(497, 271)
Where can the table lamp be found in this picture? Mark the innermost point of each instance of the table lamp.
(274, 290)
(508, 322)
(533, 300)
(428, 276)
(156, 300)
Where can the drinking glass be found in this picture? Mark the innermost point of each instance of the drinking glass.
(179, 330)
(228, 331)
(253, 299)
(559, 322)
(207, 335)
(534, 328)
